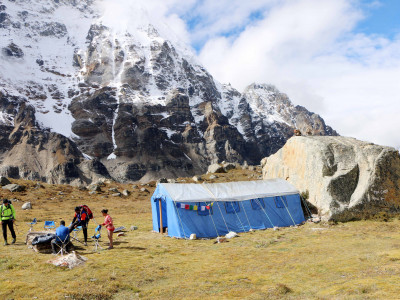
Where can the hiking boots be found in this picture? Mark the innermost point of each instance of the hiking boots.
(5, 243)
(85, 243)
(13, 241)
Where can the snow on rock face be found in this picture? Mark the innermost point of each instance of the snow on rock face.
(130, 93)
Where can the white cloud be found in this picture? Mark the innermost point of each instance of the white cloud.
(306, 48)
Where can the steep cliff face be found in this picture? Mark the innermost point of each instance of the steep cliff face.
(130, 99)
(345, 178)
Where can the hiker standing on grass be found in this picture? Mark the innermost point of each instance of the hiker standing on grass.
(108, 222)
(7, 217)
(81, 218)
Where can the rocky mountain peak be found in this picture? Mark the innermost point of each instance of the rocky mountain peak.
(127, 95)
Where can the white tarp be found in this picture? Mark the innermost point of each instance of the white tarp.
(229, 191)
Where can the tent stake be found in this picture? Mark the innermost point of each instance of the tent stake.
(161, 223)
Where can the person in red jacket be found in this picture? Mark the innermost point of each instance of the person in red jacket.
(81, 218)
(108, 223)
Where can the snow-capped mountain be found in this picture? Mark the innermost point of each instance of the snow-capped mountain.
(83, 96)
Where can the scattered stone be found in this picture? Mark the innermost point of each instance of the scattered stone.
(14, 188)
(61, 193)
(144, 190)
(134, 187)
(133, 228)
(193, 236)
(197, 178)
(229, 166)
(276, 228)
(221, 240)
(116, 195)
(162, 180)
(251, 168)
(114, 190)
(26, 206)
(231, 235)
(171, 181)
(92, 192)
(4, 181)
(14, 200)
(216, 168)
(82, 188)
(213, 177)
(38, 185)
(126, 192)
(95, 188)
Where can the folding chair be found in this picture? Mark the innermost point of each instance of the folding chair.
(63, 246)
(96, 237)
(34, 222)
(49, 225)
(75, 231)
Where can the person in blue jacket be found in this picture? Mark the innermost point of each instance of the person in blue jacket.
(62, 236)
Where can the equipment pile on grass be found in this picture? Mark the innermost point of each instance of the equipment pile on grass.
(71, 260)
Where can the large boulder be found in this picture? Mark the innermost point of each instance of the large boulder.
(14, 188)
(345, 178)
(4, 181)
(216, 168)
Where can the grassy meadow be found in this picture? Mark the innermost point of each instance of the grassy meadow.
(355, 260)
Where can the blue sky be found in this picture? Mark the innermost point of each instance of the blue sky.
(382, 18)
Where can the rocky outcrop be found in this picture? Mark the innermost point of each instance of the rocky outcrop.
(345, 178)
(32, 153)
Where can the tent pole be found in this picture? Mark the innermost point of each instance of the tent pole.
(161, 223)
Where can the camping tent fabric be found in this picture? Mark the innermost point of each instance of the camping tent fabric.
(229, 191)
(235, 206)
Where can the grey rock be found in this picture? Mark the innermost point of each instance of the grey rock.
(116, 195)
(14, 188)
(94, 187)
(92, 193)
(134, 228)
(229, 166)
(144, 190)
(162, 180)
(114, 190)
(197, 178)
(216, 168)
(126, 192)
(213, 177)
(345, 178)
(171, 180)
(13, 50)
(26, 206)
(134, 187)
(4, 181)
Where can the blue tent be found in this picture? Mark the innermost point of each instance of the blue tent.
(214, 209)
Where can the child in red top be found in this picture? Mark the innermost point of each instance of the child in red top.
(108, 222)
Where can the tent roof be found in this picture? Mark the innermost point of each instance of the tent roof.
(228, 191)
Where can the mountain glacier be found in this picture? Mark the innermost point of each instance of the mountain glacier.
(83, 96)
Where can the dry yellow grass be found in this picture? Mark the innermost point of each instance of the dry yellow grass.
(357, 260)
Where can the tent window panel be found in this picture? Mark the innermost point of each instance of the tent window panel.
(280, 202)
(202, 209)
(232, 207)
(257, 204)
